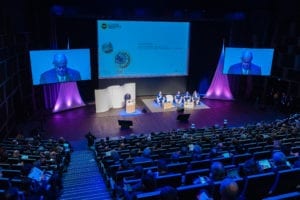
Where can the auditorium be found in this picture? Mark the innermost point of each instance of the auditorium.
(160, 100)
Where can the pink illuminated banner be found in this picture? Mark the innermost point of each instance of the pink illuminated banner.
(68, 97)
(219, 87)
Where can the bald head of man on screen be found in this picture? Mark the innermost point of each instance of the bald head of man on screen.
(60, 71)
(245, 67)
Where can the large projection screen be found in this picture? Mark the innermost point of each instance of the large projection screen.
(130, 49)
(42, 64)
(258, 61)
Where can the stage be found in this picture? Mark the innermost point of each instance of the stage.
(74, 124)
(154, 107)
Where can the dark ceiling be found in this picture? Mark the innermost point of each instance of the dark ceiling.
(170, 8)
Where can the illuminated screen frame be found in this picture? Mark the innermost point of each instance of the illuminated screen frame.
(42, 61)
(262, 57)
(150, 53)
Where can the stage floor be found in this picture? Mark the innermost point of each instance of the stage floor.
(74, 124)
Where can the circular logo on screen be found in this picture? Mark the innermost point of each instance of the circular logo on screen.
(104, 26)
(122, 59)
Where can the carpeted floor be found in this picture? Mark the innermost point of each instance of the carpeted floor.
(154, 107)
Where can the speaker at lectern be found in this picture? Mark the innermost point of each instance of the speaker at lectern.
(130, 106)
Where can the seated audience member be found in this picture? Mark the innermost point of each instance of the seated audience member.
(12, 193)
(279, 161)
(214, 152)
(115, 156)
(146, 156)
(147, 184)
(124, 164)
(203, 195)
(250, 167)
(162, 167)
(229, 189)
(197, 152)
(184, 150)
(3, 154)
(217, 171)
(168, 193)
(175, 157)
(297, 163)
(137, 175)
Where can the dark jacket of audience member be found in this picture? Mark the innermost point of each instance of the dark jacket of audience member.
(168, 193)
(279, 161)
(217, 171)
(229, 189)
(249, 167)
(145, 157)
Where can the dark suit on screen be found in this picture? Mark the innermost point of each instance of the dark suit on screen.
(51, 76)
(238, 69)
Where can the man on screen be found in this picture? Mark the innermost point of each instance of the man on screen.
(60, 72)
(245, 67)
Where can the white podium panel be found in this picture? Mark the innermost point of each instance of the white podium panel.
(113, 96)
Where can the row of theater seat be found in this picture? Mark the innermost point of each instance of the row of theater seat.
(185, 169)
(252, 187)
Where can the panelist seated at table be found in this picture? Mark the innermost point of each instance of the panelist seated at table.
(160, 99)
(187, 97)
(196, 97)
(178, 99)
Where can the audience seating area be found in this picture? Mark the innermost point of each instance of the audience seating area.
(190, 153)
(33, 167)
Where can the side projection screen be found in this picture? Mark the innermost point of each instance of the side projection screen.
(128, 49)
(54, 66)
(248, 61)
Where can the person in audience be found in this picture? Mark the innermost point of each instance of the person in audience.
(168, 193)
(175, 157)
(297, 163)
(229, 189)
(162, 167)
(3, 154)
(12, 193)
(249, 167)
(184, 150)
(115, 156)
(197, 152)
(124, 164)
(145, 157)
(146, 184)
(217, 171)
(138, 172)
(279, 161)
(203, 195)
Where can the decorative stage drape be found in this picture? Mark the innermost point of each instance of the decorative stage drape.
(219, 87)
(62, 96)
(50, 95)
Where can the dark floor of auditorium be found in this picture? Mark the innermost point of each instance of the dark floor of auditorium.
(75, 123)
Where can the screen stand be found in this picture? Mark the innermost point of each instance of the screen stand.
(68, 97)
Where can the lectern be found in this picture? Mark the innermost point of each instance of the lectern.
(130, 106)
